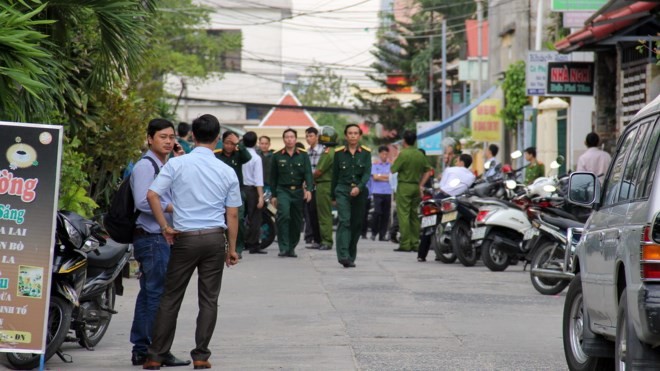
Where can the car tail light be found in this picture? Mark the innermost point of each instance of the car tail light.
(429, 210)
(448, 206)
(650, 257)
(482, 216)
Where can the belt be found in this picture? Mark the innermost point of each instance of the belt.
(292, 187)
(200, 232)
(349, 184)
(409, 182)
(138, 232)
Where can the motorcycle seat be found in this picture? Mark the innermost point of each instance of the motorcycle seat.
(562, 223)
(111, 253)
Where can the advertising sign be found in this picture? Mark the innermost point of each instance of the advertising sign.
(486, 121)
(571, 78)
(536, 75)
(573, 5)
(433, 143)
(29, 183)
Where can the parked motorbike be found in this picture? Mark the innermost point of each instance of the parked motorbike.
(268, 224)
(83, 287)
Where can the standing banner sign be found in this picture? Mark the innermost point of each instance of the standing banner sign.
(30, 158)
(486, 121)
(432, 144)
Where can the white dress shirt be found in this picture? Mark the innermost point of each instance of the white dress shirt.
(464, 175)
(253, 173)
(594, 160)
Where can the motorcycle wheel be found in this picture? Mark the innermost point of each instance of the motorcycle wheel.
(443, 253)
(462, 244)
(91, 330)
(268, 230)
(59, 320)
(542, 259)
(493, 257)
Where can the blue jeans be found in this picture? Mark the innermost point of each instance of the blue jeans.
(153, 254)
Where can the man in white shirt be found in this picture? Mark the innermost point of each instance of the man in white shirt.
(253, 187)
(460, 172)
(491, 152)
(312, 229)
(594, 160)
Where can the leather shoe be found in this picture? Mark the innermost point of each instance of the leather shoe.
(400, 249)
(151, 365)
(258, 252)
(291, 254)
(373, 238)
(200, 365)
(171, 361)
(314, 246)
(325, 247)
(421, 260)
(281, 255)
(383, 239)
(138, 358)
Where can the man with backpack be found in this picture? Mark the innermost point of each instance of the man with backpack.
(151, 250)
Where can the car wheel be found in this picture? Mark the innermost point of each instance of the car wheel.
(575, 324)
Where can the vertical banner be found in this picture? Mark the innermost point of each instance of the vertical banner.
(432, 144)
(29, 183)
(486, 121)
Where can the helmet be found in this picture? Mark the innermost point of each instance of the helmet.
(328, 136)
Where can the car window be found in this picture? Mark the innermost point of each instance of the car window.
(648, 163)
(612, 184)
(633, 165)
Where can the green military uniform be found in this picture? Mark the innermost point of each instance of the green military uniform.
(411, 164)
(323, 195)
(288, 172)
(236, 161)
(348, 171)
(534, 171)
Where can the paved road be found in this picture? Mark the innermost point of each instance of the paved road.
(389, 313)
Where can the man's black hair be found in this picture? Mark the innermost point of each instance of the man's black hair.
(410, 137)
(183, 129)
(592, 140)
(352, 125)
(295, 133)
(264, 137)
(156, 125)
(206, 129)
(531, 151)
(494, 149)
(228, 133)
(466, 159)
(312, 130)
(250, 139)
(383, 148)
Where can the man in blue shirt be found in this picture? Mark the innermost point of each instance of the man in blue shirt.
(382, 194)
(205, 192)
(151, 250)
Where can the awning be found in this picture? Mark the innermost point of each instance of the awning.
(441, 125)
(605, 25)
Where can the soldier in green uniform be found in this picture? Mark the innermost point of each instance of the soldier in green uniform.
(413, 171)
(535, 169)
(323, 178)
(234, 156)
(289, 169)
(351, 171)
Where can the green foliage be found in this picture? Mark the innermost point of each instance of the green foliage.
(647, 46)
(515, 97)
(74, 181)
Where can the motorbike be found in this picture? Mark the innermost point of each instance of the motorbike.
(86, 277)
(268, 222)
(431, 225)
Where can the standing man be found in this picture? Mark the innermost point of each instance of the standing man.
(594, 160)
(351, 170)
(235, 156)
(253, 190)
(535, 169)
(382, 194)
(290, 169)
(413, 171)
(323, 179)
(183, 138)
(492, 172)
(151, 250)
(314, 151)
(266, 158)
(206, 191)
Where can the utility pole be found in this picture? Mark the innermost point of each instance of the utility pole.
(480, 22)
(443, 99)
(431, 78)
(537, 41)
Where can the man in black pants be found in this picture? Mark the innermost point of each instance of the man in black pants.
(312, 230)
(253, 188)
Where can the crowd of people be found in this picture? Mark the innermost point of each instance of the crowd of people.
(198, 213)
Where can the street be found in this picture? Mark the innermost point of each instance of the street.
(389, 313)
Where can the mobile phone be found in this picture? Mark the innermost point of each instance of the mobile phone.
(177, 147)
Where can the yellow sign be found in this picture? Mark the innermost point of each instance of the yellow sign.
(486, 121)
(15, 336)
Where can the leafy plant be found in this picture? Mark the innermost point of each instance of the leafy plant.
(515, 97)
(74, 180)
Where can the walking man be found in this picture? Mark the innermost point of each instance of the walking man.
(151, 250)
(314, 151)
(413, 171)
(351, 171)
(235, 156)
(207, 191)
(253, 190)
(323, 179)
(290, 169)
(382, 194)
(594, 160)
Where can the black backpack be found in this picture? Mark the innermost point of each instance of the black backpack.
(120, 220)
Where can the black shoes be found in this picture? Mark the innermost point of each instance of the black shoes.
(383, 239)
(373, 238)
(291, 254)
(256, 251)
(325, 247)
(282, 254)
(171, 361)
(313, 246)
(421, 260)
(394, 240)
(347, 263)
(140, 359)
(400, 249)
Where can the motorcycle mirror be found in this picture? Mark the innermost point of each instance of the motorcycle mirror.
(487, 165)
(516, 155)
(560, 160)
(555, 165)
(549, 188)
(454, 182)
(511, 184)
